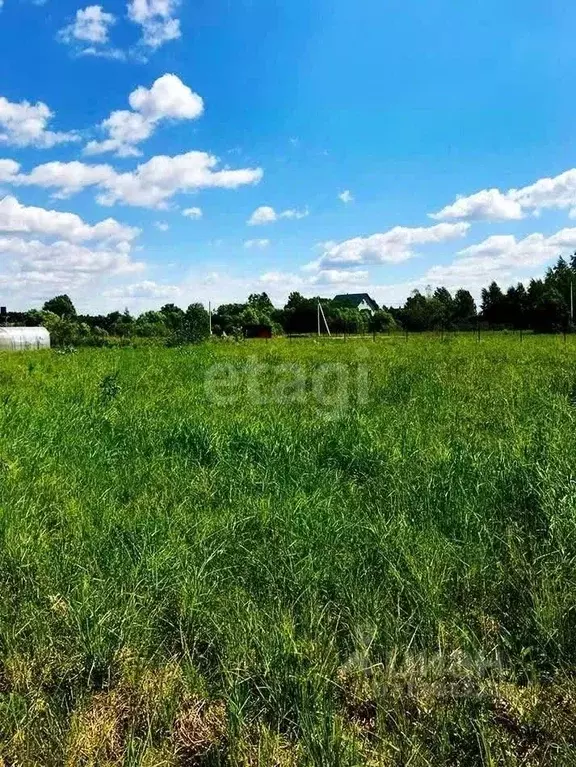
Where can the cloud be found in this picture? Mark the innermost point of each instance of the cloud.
(502, 258)
(125, 129)
(57, 250)
(162, 226)
(18, 218)
(487, 205)
(393, 246)
(168, 98)
(145, 289)
(491, 204)
(557, 192)
(157, 20)
(91, 25)
(67, 177)
(150, 185)
(103, 53)
(66, 257)
(33, 267)
(346, 196)
(339, 277)
(267, 215)
(23, 124)
(325, 277)
(192, 213)
(262, 215)
(8, 169)
(256, 243)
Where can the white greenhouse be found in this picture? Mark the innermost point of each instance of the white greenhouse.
(17, 339)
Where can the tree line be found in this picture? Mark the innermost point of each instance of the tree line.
(543, 306)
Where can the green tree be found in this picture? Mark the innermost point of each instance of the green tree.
(33, 318)
(493, 304)
(549, 313)
(444, 307)
(121, 324)
(196, 324)
(63, 332)
(516, 306)
(61, 306)
(381, 321)
(151, 325)
(261, 302)
(295, 300)
(173, 316)
(464, 308)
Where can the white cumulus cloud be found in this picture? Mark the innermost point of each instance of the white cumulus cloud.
(23, 124)
(195, 213)
(487, 205)
(267, 215)
(151, 185)
(346, 196)
(66, 258)
(91, 25)
(168, 98)
(157, 20)
(50, 250)
(8, 169)
(15, 217)
(503, 258)
(393, 246)
(494, 205)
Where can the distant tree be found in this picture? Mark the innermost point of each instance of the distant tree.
(173, 316)
(493, 305)
(381, 321)
(261, 302)
(516, 306)
(424, 312)
(62, 306)
(196, 324)
(550, 313)
(227, 318)
(562, 278)
(295, 300)
(250, 316)
(63, 331)
(414, 314)
(559, 277)
(301, 314)
(121, 324)
(444, 308)
(464, 308)
(32, 318)
(151, 325)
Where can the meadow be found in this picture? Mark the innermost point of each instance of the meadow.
(289, 553)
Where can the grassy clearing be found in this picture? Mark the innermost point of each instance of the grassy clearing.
(381, 576)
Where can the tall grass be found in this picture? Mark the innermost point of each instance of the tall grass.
(386, 577)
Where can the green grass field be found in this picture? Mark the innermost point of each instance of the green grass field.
(289, 553)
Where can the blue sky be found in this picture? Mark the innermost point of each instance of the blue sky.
(344, 132)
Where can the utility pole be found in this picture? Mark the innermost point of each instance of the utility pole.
(210, 315)
(324, 318)
(318, 317)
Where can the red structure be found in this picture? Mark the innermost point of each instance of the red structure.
(257, 331)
